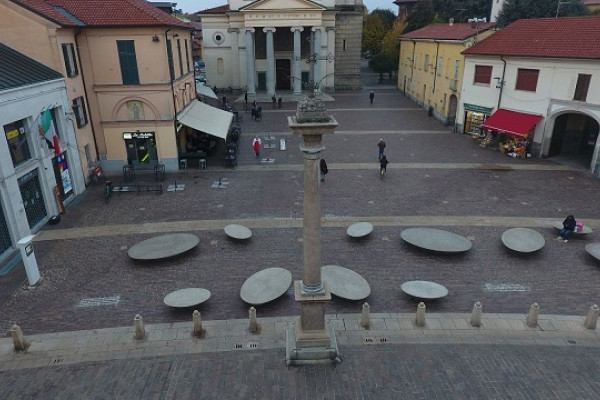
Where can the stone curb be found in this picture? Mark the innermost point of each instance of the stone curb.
(73, 347)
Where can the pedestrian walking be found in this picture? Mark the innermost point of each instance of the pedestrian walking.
(371, 96)
(274, 100)
(568, 228)
(279, 101)
(323, 169)
(383, 165)
(256, 146)
(381, 145)
(246, 101)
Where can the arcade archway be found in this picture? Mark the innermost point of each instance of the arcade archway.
(574, 140)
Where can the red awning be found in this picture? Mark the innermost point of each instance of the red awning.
(511, 122)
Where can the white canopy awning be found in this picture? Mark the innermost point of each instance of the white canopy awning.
(203, 90)
(205, 118)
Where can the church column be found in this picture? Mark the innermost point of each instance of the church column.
(270, 61)
(250, 61)
(318, 67)
(296, 59)
(330, 63)
(235, 57)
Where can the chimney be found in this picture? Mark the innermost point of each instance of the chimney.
(451, 22)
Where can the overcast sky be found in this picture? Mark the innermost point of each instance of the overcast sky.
(199, 5)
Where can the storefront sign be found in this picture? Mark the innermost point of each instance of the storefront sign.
(138, 135)
(479, 109)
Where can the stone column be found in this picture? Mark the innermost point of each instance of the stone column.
(250, 61)
(318, 65)
(296, 60)
(330, 55)
(235, 57)
(270, 61)
(311, 339)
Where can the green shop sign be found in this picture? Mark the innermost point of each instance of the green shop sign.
(479, 109)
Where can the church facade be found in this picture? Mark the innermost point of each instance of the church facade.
(276, 46)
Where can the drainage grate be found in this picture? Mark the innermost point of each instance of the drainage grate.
(368, 340)
(238, 346)
(382, 340)
(58, 360)
(253, 345)
(570, 341)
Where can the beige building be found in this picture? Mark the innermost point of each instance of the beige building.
(430, 67)
(128, 68)
(283, 45)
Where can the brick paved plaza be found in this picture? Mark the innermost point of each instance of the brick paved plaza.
(436, 178)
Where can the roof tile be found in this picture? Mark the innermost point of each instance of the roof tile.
(102, 12)
(457, 31)
(569, 37)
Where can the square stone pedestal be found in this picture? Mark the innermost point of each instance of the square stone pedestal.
(311, 340)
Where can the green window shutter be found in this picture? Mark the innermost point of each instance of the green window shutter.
(170, 55)
(179, 56)
(128, 61)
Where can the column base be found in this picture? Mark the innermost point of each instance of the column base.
(310, 347)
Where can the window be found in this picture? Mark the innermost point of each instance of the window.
(128, 61)
(527, 79)
(416, 61)
(426, 65)
(581, 90)
(179, 57)
(456, 69)
(170, 56)
(483, 74)
(17, 142)
(440, 66)
(80, 112)
(187, 56)
(70, 61)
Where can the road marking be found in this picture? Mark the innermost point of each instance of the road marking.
(505, 287)
(98, 302)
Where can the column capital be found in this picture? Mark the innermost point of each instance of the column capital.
(316, 28)
(251, 30)
(233, 30)
(297, 28)
(330, 28)
(269, 29)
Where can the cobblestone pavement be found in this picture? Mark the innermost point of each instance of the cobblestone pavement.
(436, 178)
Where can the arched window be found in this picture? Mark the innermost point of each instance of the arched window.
(220, 66)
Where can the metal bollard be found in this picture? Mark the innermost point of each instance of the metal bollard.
(138, 325)
(252, 324)
(532, 317)
(476, 315)
(420, 320)
(592, 317)
(19, 341)
(365, 320)
(198, 331)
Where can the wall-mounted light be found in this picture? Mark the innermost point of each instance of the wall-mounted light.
(155, 39)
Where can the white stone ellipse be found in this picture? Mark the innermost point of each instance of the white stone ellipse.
(359, 229)
(164, 246)
(238, 232)
(266, 285)
(345, 283)
(523, 240)
(188, 297)
(424, 289)
(436, 240)
(593, 250)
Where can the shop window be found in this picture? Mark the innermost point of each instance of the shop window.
(33, 200)
(70, 61)
(179, 57)
(5, 240)
(483, 74)
(16, 138)
(583, 84)
(79, 109)
(527, 79)
(128, 61)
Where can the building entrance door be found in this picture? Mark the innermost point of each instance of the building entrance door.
(141, 148)
(283, 75)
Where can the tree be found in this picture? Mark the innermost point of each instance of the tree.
(421, 15)
(382, 63)
(391, 45)
(387, 15)
(525, 9)
(374, 30)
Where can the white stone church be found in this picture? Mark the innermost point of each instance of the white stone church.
(279, 46)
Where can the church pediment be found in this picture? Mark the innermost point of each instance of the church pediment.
(282, 5)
